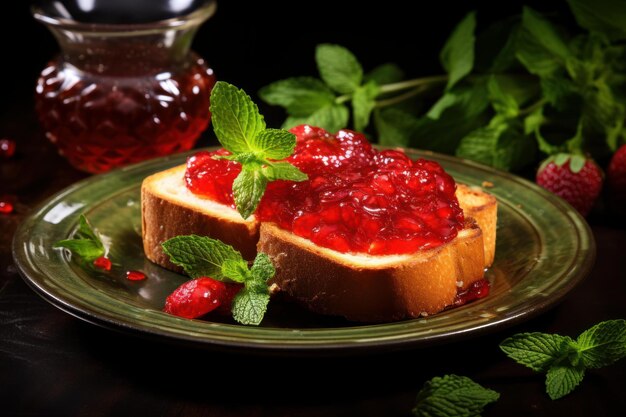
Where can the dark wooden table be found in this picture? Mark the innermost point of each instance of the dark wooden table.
(52, 364)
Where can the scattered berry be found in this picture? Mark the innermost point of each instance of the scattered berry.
(616, 176)
(103, 263)
(6, 206)
(7, 148)
(196, 298)
(574, 178)
(478, 289)
(135, 275)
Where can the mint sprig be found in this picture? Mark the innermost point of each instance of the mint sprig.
(452, 396)
(85, 243)
(201, 256)
(241, 130)
(565, 360)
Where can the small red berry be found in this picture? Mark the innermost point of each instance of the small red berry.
(576, 179)
(6, 207)
(616, 176)
(195, 298)
(135, 275)
(7, 148)
(103, 263)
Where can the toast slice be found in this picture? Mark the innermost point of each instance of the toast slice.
(373, 288)
(359, 287)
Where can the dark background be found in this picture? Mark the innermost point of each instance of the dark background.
(252, 43)
(55, 365)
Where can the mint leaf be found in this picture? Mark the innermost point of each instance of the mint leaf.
(235, 118)
(480, 145)
(339, 68)
(496, 45)
(248, 188)
(503, 103)
(300, 96)
(283, 171)
(540, 47)
(561, 380)
(446, 101)
(453, 395)
(457, 55)
(534, 121)
(363, 102)
(603, 344)
(262, 269)
(395, 127)
(603, 16)
(85, 243)
(87, 249)
(250, 304)
(274, 143)
(385, 74)
(538, 351)
(332, 118)
(235, 269)
(200, 256)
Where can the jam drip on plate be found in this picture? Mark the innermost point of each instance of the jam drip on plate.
(357, 199)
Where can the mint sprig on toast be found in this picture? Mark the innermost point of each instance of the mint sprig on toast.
(241, 130)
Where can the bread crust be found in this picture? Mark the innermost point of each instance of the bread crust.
(165, 216)
(373, 289)
(482, 207)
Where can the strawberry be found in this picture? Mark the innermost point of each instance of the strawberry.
(576, 179)
(616, 177)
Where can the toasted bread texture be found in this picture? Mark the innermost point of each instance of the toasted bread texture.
(359, 287)
(373, 288)
(169, 209)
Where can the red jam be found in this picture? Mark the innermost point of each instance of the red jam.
(478, 289)
(357, 199)
(135, 275)
(102, 263)
(99, 122)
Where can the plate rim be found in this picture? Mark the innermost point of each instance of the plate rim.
(33, 277)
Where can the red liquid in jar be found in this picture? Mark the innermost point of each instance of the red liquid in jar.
(99, 122)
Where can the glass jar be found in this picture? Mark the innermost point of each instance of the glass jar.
(120, 93)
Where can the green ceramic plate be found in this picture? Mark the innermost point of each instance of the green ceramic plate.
(544, 249)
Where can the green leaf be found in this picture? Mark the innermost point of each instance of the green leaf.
(332, 118)
(540, 47)
(603, 113)
(395, 127)
(503, 103)
(538, 351)
(200, 256)
(250, 304)
(465, 114)
(558, 91)
(534, 121)
(385, 74)
(604, 16)
(235, 269)
(87, 249)
(445, 101)
(363, 102)
(338, 67)
(562, 379)
(262, 269)
(300, 96)
(283, 171)
(235, 118)
(85, 243)
(457, 55)
(274, 143)
(248, 188)
(480, 145)
(496, 46)
(453, 395)
(603, 344)
(85, 231)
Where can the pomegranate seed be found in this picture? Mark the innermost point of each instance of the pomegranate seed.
(6, 207)
(135, 275)
(103, 263)
(196, 298)
(7, 148)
